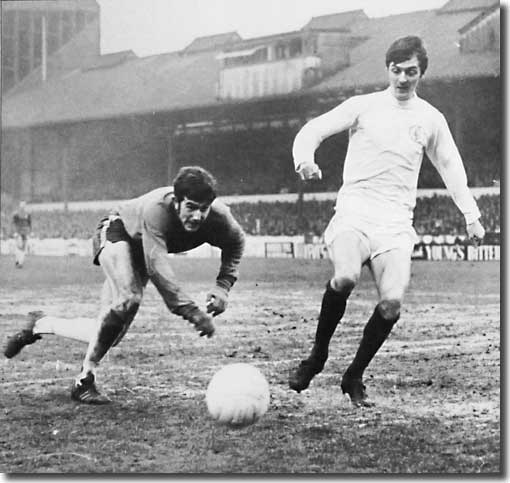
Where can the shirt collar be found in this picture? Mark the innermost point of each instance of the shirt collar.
(403, 104)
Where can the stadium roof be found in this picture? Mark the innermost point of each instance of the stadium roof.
(440, 33)
(211, 42)
(185, 80)
(261, 41)
(138, 86)
(337, 21)
(478, 19)
(465, 5)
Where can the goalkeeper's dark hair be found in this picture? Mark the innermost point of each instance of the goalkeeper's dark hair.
(404, 48)
(195, 183)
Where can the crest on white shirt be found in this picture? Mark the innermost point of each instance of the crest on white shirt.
(418, 135)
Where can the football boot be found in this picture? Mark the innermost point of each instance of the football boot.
(85, 391)
(356, 390)
(301, 377)
(24, 337)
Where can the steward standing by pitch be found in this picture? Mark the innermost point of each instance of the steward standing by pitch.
(132, 246)
(389, 132)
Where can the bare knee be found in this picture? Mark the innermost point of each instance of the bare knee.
(343, 284)
(127, 305)
(390, 309)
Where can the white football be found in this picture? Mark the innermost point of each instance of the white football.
(237, 395)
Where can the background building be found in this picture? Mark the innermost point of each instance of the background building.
(42, 39)
(114, 126)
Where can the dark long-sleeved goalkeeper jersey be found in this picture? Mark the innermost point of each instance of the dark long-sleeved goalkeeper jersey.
(152, 220)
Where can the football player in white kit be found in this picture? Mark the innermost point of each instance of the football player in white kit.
(388, 133)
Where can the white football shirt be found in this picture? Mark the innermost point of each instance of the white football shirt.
(387, 139)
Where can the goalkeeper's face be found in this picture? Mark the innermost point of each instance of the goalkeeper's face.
(404, 78)
(192, 213)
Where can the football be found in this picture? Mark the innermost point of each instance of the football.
(237, 395)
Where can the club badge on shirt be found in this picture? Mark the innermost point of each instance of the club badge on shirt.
(418, 135)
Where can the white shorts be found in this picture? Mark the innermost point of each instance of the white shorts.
(376, 237)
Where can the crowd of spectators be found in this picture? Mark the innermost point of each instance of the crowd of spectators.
(62, 224)
(283, 218)
(435, 215)
(438, 215)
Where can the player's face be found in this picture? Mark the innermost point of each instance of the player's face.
(404, 78)
(192, 214)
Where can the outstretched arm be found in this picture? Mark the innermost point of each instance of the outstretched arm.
(445, 156)
(311, 135)
(161, 274)
(230, 239)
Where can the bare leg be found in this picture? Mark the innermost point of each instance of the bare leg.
(121, 297)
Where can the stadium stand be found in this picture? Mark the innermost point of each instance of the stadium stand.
(434, 215)
(260, 162)
(234, 110)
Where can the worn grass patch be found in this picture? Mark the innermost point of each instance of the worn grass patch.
(435, 381)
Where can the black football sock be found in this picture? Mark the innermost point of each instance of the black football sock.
(375, 333)
(110, 328)
(113, 326)
(332, 310)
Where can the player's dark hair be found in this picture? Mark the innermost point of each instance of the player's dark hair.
(404, 48)
(195, 183)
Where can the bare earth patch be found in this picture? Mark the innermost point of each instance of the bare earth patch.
(436, 381)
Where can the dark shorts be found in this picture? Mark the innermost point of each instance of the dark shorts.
(23, 234)
(111, 228)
